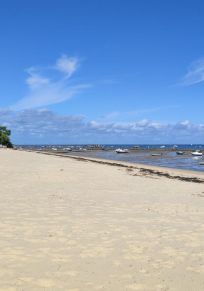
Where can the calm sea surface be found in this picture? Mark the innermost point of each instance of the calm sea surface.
(143, 155)
(168, 159)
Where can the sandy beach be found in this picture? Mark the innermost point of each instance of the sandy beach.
(70, 224)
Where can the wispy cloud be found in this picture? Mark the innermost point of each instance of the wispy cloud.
(195, 73)
(50, 85)
(67, 65)
(127, 115)
(35, 80)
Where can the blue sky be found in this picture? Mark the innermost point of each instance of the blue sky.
(102, 71)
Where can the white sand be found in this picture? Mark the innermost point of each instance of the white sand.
(72, 225)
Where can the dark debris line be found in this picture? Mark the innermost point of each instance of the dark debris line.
(142, 170)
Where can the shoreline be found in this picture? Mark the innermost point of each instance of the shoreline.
(164, 158)
(171, 173)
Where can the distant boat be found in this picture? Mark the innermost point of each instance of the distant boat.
(156, 155)
(68, 149)
(197, 153)
(136, 147)
(162, 147)
(122, 151)
(175, 146)
(180, 153)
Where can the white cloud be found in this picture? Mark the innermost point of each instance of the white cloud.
(52, 88)
(67, 65)
(45, 125)
(195, 73)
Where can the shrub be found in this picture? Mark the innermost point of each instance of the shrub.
(5, 137)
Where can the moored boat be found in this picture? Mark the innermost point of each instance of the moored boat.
(136, 147)
(180, 153)
(121, 151)
(68, 149)
(196, 153)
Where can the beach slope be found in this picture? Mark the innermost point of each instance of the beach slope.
(71, 224)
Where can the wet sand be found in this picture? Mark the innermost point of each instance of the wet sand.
(72, 224)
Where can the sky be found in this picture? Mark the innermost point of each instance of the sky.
(102, 71)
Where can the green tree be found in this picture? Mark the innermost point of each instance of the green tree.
(5, 137)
